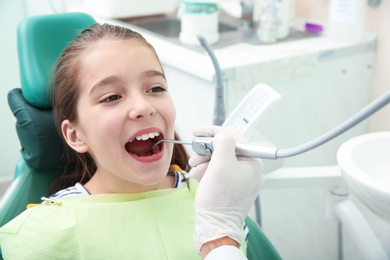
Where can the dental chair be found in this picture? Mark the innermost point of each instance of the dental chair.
(41, 39)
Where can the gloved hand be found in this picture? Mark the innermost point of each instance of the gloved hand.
(227, 189)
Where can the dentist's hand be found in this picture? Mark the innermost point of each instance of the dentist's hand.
(227, 189)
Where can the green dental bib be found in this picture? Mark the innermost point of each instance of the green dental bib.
(151, 225)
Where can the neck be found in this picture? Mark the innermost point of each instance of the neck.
(98, 184)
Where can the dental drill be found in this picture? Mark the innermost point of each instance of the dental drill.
(204, 145)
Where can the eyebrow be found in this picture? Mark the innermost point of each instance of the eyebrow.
(115, 79)
(153, 73)
(106, 81)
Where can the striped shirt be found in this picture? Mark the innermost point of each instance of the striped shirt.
(80, 190)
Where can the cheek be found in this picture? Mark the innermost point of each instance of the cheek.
(107, 125)
(173, 113)
(170, 114)
(97, 125)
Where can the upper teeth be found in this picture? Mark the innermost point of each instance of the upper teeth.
(147, 136)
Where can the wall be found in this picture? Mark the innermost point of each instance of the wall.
(11, 12)
(377, 20)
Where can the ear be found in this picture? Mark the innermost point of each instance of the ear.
(73, 137)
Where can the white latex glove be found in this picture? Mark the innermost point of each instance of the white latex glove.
(227, 189)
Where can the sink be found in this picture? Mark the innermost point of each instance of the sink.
(230, 30)
(365, 164)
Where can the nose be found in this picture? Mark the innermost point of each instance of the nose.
(141, 107)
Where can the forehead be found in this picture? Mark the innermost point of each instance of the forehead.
(113, 57)
(115, 47)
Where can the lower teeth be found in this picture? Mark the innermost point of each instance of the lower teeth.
(154, 150)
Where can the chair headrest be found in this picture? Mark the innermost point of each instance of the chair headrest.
(42, 147)
(41, 40)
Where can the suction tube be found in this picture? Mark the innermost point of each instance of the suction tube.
(366, 112)
(219, 106)
(257, 151)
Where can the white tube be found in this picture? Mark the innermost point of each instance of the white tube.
(367, 111)
(363, 235)
(258, 151)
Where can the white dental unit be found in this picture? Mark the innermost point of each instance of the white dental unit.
(322, 82)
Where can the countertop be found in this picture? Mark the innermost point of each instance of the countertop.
(196, 62)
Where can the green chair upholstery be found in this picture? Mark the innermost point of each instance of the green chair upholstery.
(259, 247)
(41, 39)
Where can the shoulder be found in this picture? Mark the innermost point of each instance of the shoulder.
(76, 190)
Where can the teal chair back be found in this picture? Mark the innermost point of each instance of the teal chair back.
(41, 39)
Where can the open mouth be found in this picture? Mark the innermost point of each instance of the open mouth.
(141, 145)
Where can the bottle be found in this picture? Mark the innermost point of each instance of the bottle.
(199, 17)
(347, 19)
(267, 30)
(284, 16)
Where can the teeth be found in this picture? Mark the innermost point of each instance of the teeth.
(147, 136)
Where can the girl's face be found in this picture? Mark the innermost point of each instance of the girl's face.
(123, 108)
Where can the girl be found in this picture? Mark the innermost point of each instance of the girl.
(111, 105)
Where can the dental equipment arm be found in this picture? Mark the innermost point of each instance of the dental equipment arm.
(204, 145)
(219, 107)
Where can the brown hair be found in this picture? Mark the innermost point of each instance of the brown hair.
(81, 166)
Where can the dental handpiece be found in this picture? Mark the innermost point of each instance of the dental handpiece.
(203, 145)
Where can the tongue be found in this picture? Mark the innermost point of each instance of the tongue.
(139, 148)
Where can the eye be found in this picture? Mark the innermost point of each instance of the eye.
(156, 89)
(111, 98)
